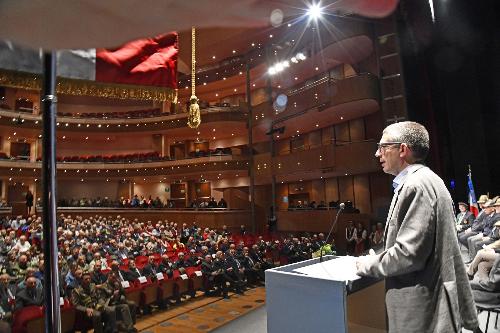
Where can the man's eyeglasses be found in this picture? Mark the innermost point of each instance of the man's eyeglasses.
(382, 146)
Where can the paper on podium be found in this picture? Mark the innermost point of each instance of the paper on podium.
(338, 269)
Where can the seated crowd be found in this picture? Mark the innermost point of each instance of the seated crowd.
(138, 202)
(358, 240)
(109, 266)
(147, 113)
(305, 205)
(480, 236)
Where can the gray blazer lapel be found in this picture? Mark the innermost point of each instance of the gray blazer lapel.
(394, 203)
(391, 211)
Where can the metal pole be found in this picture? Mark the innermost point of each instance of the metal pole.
(273, 177)
(250, 145)
(51, 272)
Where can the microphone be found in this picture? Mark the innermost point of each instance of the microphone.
(341, 208)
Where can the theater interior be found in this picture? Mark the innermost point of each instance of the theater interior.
(291, 108)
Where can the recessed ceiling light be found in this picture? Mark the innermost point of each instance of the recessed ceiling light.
(213, 57)
(234, 51)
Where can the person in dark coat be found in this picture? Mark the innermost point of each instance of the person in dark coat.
(30, 295)
(215, 277)
(150, 269)
(29, 201)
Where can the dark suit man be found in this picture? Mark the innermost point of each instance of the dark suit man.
(98, 277)
(214, 275)
(6, 302)
(31, 295)
(181, 264)
(133, 273)
(427, 289)
(166, 266)
(234, 271)
(465, 218)
(150, 269)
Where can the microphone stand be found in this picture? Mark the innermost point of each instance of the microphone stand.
(342, 206)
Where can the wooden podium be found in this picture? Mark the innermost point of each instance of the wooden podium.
(301, 303)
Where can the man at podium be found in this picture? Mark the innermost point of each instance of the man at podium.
(427, 289)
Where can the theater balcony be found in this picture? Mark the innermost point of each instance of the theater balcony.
(320, 103)
(317, 162)
(99, 122)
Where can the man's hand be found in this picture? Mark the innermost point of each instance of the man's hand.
(90, 312)
(358, 266)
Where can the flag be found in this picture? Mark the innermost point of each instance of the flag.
(472, 195)
(142, 62)
(147, 62)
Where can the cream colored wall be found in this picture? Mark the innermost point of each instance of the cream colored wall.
(152, 189)
(100, 146)
(89, 189)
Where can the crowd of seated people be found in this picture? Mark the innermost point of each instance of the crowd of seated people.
(305, 205)
(208, 203)
(480, 236)
(359, 239)
(104, 261)
(132, 158)
(138, 202)
(135, 114)
(210, 152)
(153, 156)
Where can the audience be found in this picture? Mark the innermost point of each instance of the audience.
(98, 255)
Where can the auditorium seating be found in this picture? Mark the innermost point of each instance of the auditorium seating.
(132, 158)
(135, 114)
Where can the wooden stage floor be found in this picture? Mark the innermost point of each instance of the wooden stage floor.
(202, 314)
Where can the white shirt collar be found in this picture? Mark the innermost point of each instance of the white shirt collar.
(401, 177)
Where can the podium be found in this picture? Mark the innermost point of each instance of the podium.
(301, 302)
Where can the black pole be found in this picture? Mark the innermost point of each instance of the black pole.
(273, 177)
(250, 145)
(51, 272)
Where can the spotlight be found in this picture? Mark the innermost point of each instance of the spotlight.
(315, 11)
(301, 56)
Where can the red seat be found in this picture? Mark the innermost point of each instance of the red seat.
(25, 315)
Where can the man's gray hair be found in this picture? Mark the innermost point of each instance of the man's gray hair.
(412, 134)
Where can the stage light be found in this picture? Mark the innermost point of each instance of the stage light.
(301, 56)
(315, 11)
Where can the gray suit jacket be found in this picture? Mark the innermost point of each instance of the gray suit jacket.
(427, 289)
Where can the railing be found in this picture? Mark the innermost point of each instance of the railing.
(77, 118)
(117, 160)
(322, 144)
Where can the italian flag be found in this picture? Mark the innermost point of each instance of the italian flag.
(143, 62)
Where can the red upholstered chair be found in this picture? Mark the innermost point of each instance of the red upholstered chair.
(134, 293)
(197, 282)
(182, 286)
(149, 293)
(25, 315)
(167, 288)
(141, 261)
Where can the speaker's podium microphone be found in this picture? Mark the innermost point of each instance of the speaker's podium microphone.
(341, 208)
